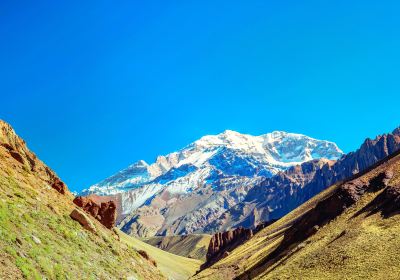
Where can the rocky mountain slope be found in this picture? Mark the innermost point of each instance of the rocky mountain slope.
(38, 238)
(185, 191)
(276, 196)
(348, 231)
(247, 202)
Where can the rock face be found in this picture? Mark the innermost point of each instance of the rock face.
(18, 150)
(222, 243)
(105, 213)
(84, 220)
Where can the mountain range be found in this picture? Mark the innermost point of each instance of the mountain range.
(188, 191)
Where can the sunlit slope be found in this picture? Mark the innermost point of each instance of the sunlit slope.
(173, 266)
(38, 239)
(193, 246)
(360, 243)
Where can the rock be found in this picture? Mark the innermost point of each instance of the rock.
(58, 185)
(36, 240)
(104, 213)
(107, 214)
(84, 220)
(223, 242)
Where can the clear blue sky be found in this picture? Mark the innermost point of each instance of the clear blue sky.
(93, 86)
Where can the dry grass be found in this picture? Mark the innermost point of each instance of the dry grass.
(174, 266)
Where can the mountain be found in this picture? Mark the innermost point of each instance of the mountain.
(276, 196)
(348, 231)
(183, 192)
(40, 240)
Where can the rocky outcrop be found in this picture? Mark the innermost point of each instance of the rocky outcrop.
(117, 198)
(222, 243)
(105, 213)
(17, 149)
(84, 220)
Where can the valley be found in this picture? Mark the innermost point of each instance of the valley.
(317, 219)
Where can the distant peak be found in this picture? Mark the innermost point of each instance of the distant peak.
(140, 163)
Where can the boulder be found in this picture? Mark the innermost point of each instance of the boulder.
(84, 220)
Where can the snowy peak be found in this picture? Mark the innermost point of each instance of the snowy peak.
(278, 148)
(297, 148)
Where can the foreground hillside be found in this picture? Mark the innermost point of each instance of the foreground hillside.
(349, 231)
(39, 240)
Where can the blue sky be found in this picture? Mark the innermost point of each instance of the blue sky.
(93, 86)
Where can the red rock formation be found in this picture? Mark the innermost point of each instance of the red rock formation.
(223, 242)
(117, 198)
(104, 213)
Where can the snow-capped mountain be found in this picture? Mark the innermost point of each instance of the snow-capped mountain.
(231, 152)
(207, 168)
